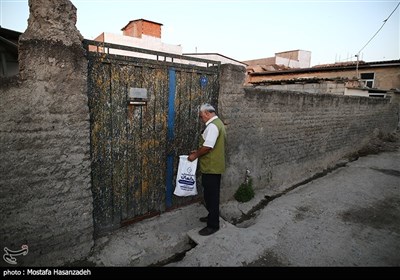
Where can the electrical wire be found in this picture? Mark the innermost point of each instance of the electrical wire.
(384, 22)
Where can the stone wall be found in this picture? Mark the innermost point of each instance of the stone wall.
(286, 137)
(45, 195)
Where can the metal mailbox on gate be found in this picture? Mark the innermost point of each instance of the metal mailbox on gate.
(137, 96)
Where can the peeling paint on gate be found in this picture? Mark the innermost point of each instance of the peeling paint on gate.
(135, 149)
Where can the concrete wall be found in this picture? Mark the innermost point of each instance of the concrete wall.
(285, 138)
(145, 42)
(330, 87)
(215, 57)
(292, 59)
(45, 196)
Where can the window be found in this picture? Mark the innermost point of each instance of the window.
(377, 93)
(368, 79)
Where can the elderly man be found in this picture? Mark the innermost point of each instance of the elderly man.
(211, 155)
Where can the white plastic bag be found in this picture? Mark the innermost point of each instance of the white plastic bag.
(186, 177)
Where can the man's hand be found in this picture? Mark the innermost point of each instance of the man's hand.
(192, 155)
(198, 153)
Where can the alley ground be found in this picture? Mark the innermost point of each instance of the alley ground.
(348, 218)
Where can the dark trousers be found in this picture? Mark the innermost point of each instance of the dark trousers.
(211, 186)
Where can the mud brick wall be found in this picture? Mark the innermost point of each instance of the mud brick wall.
(284, 138)
(45, 197)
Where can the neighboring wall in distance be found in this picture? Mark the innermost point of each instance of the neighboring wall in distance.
(284, 138)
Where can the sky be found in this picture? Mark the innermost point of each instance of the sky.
(333, 31)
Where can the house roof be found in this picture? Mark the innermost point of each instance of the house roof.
(300, 81)
(331, 67)
(265, 67)
(347, 63)
(9, 39)
(10, 35)
(141, 19)
(194, 54)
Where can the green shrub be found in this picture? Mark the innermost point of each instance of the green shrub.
(245, 192)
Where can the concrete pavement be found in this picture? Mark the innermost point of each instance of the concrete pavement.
(349, 217)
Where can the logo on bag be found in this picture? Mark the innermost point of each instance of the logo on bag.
(10, 254)
(186, 180)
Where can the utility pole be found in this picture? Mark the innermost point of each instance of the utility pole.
(357, 55)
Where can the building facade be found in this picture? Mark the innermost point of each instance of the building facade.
(358, 78)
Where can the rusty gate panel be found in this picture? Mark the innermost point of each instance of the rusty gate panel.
(99, 96)
(135, 148)
(189, 95)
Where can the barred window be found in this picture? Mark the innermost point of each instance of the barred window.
(368, 79)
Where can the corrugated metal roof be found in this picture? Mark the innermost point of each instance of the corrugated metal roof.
(332, 67)
(300, 81)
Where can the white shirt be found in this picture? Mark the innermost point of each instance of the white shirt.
(211, 133)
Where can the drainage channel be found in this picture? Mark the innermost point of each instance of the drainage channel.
(176, 257)
(267, 199)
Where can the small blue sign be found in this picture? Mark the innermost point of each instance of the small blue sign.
(203, 81)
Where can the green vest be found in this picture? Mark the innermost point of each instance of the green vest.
(214, 161)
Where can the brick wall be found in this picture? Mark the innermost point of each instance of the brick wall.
(138, 28)
(286, 137)
(151, 29)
